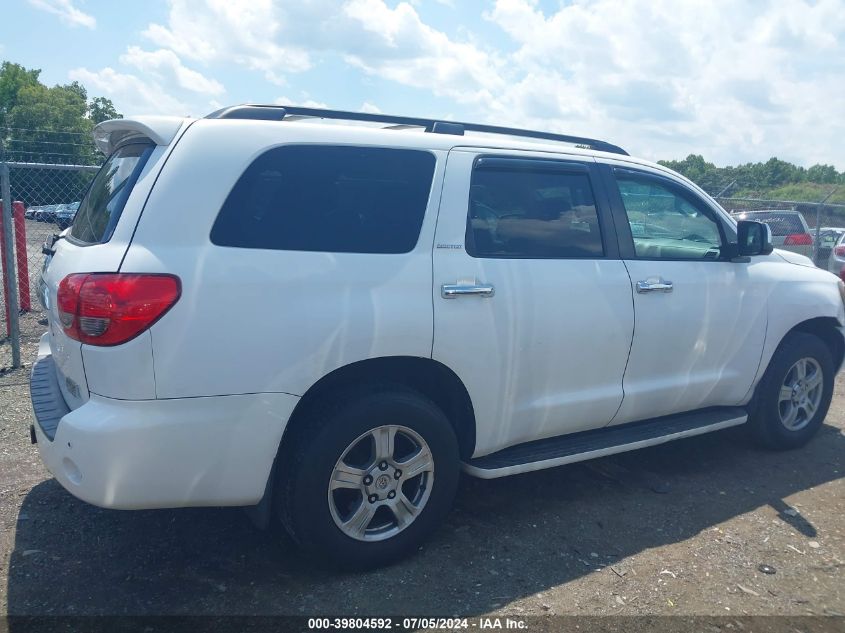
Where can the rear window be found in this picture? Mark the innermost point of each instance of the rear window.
(780, 223)
(336, 199)
(101, 207)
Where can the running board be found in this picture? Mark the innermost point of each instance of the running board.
(609, 440)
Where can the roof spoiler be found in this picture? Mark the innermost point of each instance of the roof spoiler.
(161, 130)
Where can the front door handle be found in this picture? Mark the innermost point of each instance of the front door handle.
(654, 285)
(453, 291)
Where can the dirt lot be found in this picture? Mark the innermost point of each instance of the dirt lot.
(677, 529)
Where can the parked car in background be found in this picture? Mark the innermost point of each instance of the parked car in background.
(836, 259)
(790, 230)
(29, 214)
(47, 213)
(65, 214)
(829, 237)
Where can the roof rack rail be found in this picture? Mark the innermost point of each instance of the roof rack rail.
(279, 112)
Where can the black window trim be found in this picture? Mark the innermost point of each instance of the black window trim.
(130, 187)
(607, 230)
(620, 215)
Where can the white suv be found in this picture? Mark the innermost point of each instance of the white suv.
(327, 316)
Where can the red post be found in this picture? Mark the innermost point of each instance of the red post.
(23, 259)
(23, 265)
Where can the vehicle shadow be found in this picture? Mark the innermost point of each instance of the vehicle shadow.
(506, 539)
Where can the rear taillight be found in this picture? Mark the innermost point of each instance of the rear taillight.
(839, 251)
(112, 308)
(798, 239)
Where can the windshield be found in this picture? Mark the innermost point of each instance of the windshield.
(100, 209)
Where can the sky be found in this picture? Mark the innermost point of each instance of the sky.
(733, 80)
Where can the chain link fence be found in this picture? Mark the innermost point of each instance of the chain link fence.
(828, 214)
(45, 199)
(821, 218)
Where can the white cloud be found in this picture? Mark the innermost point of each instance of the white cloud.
(245, 32)
(132, 94)
(397, 45)
(284, 39)
(302, 103)
(68, 13)
(369, 108)
(734, 81)
(165, 63)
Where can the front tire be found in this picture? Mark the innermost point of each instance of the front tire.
(368, 478)
(794, 394)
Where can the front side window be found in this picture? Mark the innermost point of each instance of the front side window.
(531, 210)
(665, 224)
(102, 205)
(337, 199)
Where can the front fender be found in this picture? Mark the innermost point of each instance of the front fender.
(795, 294)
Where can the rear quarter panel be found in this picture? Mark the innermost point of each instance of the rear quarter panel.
(250, 320)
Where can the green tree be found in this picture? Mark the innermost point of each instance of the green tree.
(826, 174)
(49, 125)
(101, 109)
(13, 77)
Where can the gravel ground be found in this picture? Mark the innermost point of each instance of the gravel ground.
(676, 529)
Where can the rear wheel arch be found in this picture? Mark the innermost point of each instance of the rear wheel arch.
(424, 375)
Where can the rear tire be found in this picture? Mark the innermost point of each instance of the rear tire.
(793, 397)
(368, 477)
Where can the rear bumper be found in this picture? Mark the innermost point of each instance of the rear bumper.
(161, 453)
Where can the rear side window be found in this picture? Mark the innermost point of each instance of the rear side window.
(531, 209)
(102, 205)
(780, 223)
(337, 199)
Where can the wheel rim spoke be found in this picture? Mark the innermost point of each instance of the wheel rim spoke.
(809, 409)
(785, 393)
(346, 477)
(421, 462)
(801, 369)
(404, 510)
(385, 437)
(814, 381)
(789, 419)
(360, 520)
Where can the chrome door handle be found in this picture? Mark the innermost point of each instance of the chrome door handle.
(453, 291)
(654, 285)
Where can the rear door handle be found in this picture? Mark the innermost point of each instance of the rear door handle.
(654, 285)
(453, 291)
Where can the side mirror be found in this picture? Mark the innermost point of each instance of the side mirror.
(753, 238)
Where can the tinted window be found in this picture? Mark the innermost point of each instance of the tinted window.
(332, 199)
(101, 207)
(533, 211)
(780, 223)
(664, 223)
